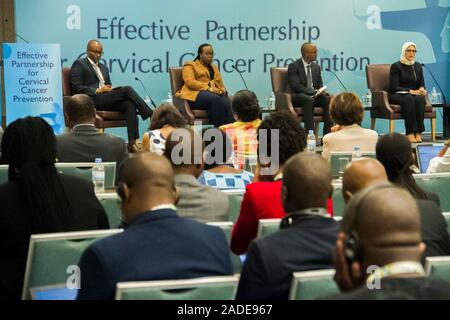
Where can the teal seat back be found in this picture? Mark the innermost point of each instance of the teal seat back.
(210, 288)
(3, 173)
(335, 163)
(227, 227)
(268, 226)
(437, 183)
(234, 208)
(50, 256)
(84, 170)
(110, 202)
(338, 202)
(438, 267)
(309, 285)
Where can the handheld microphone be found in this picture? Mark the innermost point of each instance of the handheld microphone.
(240, 73)
(437, 83)
(329, 70)
(151, 100)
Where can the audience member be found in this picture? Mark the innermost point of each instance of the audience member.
(347, 113)
(393, 150)
(37, 199)
(379, 250)
(157, 244)
(307, 236)
(367, 172)
(262, 198)
(219, 171)
(85, 143)
(184, 149)
(165, 119)
(440, 163)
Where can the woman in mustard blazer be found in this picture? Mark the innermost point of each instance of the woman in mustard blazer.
(203, 87)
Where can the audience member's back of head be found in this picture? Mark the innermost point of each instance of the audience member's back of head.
(346, 109)
(245, 105)
(218, 147)
(284, 126)
(167, 114)
(80, 108)
(29, 148)
(393, 150)
(306, 182)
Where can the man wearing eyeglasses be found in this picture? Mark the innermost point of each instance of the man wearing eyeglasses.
(91, 77)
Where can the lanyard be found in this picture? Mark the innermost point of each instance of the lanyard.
(395, 269)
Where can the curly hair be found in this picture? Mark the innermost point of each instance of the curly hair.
(245, 105)
(292, 137)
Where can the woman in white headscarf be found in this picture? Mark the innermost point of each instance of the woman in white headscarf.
(407, 88)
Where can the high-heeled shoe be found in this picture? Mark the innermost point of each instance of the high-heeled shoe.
(418, 137)
(411, 138)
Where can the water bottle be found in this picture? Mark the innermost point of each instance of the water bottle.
(169, 98)
(369, 98)
(272, 101)
(147, 100)
(311, 141)
(356, 154)
(98, 176)
(434, 96)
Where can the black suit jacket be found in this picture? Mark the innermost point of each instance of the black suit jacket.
(434, 229)
(297, 77)
(157, 245)
(83, 78)
(306, 245)
(404, 77)
(16, 228)
(85, 143)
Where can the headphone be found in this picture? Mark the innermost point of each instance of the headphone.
(352, 247)
(120, 189)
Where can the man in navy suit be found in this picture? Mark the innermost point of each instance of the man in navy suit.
(91, 77)
(304, 78)
(307, 236)
(157, 244)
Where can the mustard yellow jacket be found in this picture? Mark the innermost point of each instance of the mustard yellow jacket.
(196, 79)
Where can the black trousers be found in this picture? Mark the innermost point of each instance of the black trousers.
(413, 110)
(126, 100)
(218, 108)
(307, 103)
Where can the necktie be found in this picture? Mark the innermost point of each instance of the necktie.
(308, 76)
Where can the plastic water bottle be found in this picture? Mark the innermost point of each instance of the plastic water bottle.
(147, 100)
(435, 96)
(369, 98)
(272, 101)
(98, 176)
(356, 154)
(169, 97)
(311, 141)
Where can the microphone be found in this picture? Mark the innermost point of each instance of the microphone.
(240, 73)
(329, 70)
(13, 32)
(431, 73)
(151, 100)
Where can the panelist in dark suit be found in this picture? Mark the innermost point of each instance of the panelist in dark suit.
(37, 199)
(304, 78)
(91, 77)
(307, 236)
(85, 143)
(157, 243)
(407, 88)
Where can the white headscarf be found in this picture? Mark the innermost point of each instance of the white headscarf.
(403, 56)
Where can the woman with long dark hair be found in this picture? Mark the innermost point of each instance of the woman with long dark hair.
(37, 199)
(204, 89)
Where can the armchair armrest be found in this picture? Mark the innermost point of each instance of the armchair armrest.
(283, 101)
(380, 100)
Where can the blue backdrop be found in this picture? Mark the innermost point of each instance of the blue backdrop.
(143, 38)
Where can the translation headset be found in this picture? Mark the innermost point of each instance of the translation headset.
(352, 247)
(120, 189)
(302, 215)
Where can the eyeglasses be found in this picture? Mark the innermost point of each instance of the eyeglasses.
(411, 50)
(97, 52)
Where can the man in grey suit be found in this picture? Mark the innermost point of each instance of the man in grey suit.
(305, 79)
(184, 149)
(84, 143)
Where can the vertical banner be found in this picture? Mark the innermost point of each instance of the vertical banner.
(33, 83)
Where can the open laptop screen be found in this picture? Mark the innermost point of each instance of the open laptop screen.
(56, 292)
(426, 152)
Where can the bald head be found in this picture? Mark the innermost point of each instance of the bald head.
(80, 109)
(387, 222)
(361, 174)
(94, 50)
(306, 182)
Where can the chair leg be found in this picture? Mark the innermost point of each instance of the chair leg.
(372, 123)
(391, 126)
(433, 129)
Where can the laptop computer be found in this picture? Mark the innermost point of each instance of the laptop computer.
(54, 292)
(426, 152)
